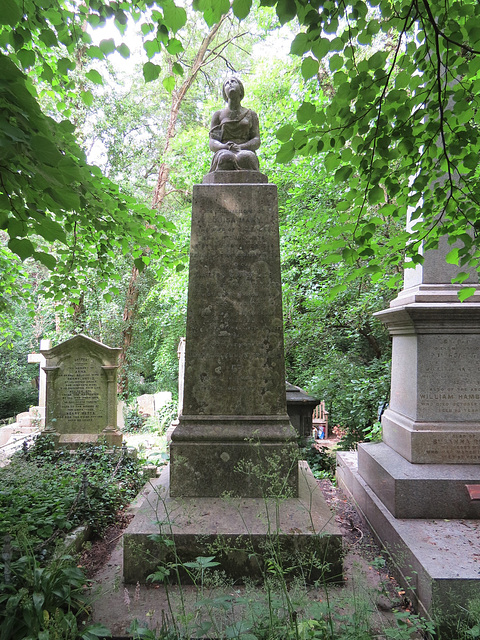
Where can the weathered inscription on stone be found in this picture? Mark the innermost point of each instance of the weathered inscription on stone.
(81, 391)
(79, 399)
(235, 263)
(80, 395)
(454, 447)
(448, 379)
(466, 400)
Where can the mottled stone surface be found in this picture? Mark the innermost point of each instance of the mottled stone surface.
(238, 531)
(434, 412)
(234, 343)
(235, 177)
(418, 490)
(234, 389)
(436, 560)
(81, 396)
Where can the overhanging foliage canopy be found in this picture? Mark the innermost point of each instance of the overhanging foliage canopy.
(401, 129)
(48, 192)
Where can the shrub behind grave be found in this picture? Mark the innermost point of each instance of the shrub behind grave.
(16, 399)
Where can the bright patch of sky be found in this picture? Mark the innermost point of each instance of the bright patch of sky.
(276, 45)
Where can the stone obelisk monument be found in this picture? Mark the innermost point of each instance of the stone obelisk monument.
(234, 434)
(234, 437)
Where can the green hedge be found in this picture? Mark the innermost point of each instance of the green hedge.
(16, 399)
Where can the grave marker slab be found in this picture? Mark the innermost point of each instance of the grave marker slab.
(81, 402)
(42, 377)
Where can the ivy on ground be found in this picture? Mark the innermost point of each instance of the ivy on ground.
(46, 493)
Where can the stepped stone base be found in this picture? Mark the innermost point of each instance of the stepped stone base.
(73, 441)
(240, 532)
(437, 560)
(259, 456)
(418, 490)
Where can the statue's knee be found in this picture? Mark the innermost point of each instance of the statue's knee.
(247, 160)
(226, 160)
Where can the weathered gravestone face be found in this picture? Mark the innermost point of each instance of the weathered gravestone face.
(81, 392)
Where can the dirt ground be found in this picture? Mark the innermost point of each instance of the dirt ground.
(362, 556)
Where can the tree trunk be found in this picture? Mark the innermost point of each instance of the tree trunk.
(129, 314)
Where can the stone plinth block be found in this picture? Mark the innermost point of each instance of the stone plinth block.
(81, 394)
(240, 455)
(434, 412)
(235, 177)
(240, 532)
(418, 491)
(234, 386)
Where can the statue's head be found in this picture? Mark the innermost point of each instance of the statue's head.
(238, 82)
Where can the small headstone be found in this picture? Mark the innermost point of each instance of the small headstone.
(42, 378)
(81, 399)
(160, 399)
(146, 404)
(300, 408)
(23, 419)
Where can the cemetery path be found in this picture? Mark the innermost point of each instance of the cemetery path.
(363, 550)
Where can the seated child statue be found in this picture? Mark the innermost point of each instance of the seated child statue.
(235, 132)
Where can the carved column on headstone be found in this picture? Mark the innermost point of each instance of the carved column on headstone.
(111, 432)
(50, 420)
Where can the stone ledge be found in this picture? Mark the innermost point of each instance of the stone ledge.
(237, 531)
(235, 177)
(418, 491)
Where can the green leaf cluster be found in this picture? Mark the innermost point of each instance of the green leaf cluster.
(54, 207)
(49, 491)
(400, 126)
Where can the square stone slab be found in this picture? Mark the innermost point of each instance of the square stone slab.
(239, 532)
(418, 490)
(437, 560)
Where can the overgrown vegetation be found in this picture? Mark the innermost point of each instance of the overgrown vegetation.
(272, 606)
(46, 493)
(41, 601)
(320, 460)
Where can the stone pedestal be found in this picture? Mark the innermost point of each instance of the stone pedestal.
(242, 534)
(235, 488)
(433, 419)
(434, 412)
(234, 434)
(42, 380)
(429, 459)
